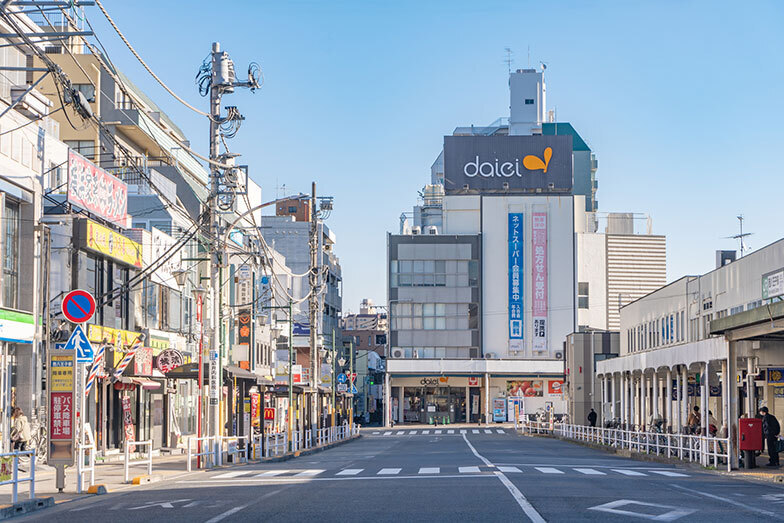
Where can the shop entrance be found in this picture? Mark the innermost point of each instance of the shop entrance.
(433, 405)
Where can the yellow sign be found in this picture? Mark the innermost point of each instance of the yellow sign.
(100, 334)
(61, 374)
(533, 163)
(104, 240)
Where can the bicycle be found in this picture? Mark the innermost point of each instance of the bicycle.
(39, 441)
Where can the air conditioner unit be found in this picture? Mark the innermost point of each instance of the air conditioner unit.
(398, 353)
(416, 230)
(491, 356)
(559, 355)
(432, 229)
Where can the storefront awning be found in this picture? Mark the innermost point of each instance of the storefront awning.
(234, 371)
(146, 384)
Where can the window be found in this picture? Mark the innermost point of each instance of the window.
(529, 101)
(88, 90)
(292, 208)
(11, 256)
(84, 147)
(582, 295)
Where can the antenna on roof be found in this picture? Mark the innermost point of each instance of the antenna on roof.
(529, 55)
(508, 60)
(740, 236)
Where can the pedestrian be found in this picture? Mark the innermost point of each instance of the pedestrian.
(592, 418)
(713, 424)
(20, 432)
(694, 420)
(771, 430)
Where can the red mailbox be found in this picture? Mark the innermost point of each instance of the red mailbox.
(750, 430)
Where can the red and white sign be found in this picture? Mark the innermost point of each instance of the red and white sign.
(269, 413)
(130, 432)
(61, 424)
(78, 306)
(96, 191)
(473, 381)
(555, 387)
(539, 280)
(296, 373)
(352, 376)
(142, 361)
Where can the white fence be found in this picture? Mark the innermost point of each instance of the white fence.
(143, 461)
(705, 450)
(15, 479)
(234, 447)
(204, 452)
(88, 452)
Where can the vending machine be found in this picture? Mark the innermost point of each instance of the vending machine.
(499, 410)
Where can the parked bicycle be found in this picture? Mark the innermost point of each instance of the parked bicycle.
(39, 441)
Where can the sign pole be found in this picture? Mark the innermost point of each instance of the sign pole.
(291, 370)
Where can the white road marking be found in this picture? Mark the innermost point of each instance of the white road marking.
(475, 431)
(231, 474)
(425, 432)
(627, 472)
(529, 509)
(388, 472)
(462, 431)
(669, 473)
(671, 515)
(349, 472)
(377, 432)
(412, 432)
(225, 514)
(430, 470)
(549, 470)
(399, 432)
(450, 432)
(591, 472)
(387, 433)
(270, 473)
(509, 469)
(467, 470)
(499, 431)
(437, 432)
(730, 501)
(488, 431)
(310, 472)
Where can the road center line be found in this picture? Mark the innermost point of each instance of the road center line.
(529, 509)
(226, 514)
(731, 502)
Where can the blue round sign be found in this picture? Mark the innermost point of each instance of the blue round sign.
(78, 306)
(342, 378)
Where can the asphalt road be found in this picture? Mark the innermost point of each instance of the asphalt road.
(474, 475)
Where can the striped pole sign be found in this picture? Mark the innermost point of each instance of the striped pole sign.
(128, 356)
(94, 368)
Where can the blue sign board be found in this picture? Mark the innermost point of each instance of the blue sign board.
(353, 389)
(342, 378)
(78, 342)
(59, 346)
(515, 229)
(300, 330)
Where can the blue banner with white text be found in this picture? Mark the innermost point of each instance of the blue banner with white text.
(516, 278)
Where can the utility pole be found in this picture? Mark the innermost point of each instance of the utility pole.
(313, 309)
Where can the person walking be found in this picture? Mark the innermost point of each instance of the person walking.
(592, 418)
(20, 432)
(771, 430)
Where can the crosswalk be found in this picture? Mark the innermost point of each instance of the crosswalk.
(439, 432)
(450, 470)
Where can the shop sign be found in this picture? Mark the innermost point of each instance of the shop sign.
(161, 244)
(773, 284)
(95, 190)
(169, 360)
(255, 400)
(296, 374)
(214, 379)
(515, 279)
(244, 285)
(775, 375)
(100, 239)
(244, 327)
(61, 408)
(130, 433)
(525, 388)
(16, 327)
(539, 279)
(269, 413)
(555, 387)
(507, 163)
(778, 392)
(142, 361)
(116, 337)
(473, 381)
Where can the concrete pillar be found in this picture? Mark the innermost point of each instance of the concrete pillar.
(684, 394)
(751, 396)
(643, 401)
(387, 401)
(656, 389)
(400, 411)
(705, 394)
(635, 394)
(723, 414)
(678, 400)
(612, 396)
(668, 399)
(731, 397)
(487, 399)
(468, 404)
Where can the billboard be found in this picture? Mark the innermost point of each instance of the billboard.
(97, 238)
(96, 191)
(515, 231)
(526, 163)
(539, 279)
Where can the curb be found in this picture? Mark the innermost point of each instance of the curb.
(144, 479)
(26, 507)
(97, 489)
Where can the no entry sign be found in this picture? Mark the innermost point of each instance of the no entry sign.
(78, 306)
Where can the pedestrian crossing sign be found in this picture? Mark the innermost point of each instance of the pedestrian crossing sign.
(79, 343)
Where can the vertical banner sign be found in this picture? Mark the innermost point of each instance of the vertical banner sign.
(255, 401)
(130, 434)
(515, 281)
(539, 279)
(214, 377)
(244, 330)
(61, 408)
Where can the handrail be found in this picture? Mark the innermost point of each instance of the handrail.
(147, 461)
(15, 479)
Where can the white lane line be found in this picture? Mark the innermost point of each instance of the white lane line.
(387, 433)
(509, 469)
(400, 432)
(430, 470)
(627, 472)
(529, 509)
(500, 431)
(437, 432)
(773, 515)
(349, 472)
(310, 472)
(232, 474)
(488, 431)
(388, 472)
(270, 473)
(475, 431)
(467, 470)
(450, 432)
(226, 514)
(377, 432)
(669, 473)
(462, 431)
(412, 432)
(548, 470)
(298, 481)
(425, 432)
(591, 472)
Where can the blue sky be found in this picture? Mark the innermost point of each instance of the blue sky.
(680, 100)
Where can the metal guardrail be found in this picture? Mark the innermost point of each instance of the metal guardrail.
(129, 463)
(705, 450)
(15, 479)
(204, 450)
(85, 451)
(230, 445)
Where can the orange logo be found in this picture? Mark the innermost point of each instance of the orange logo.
(533, 163)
